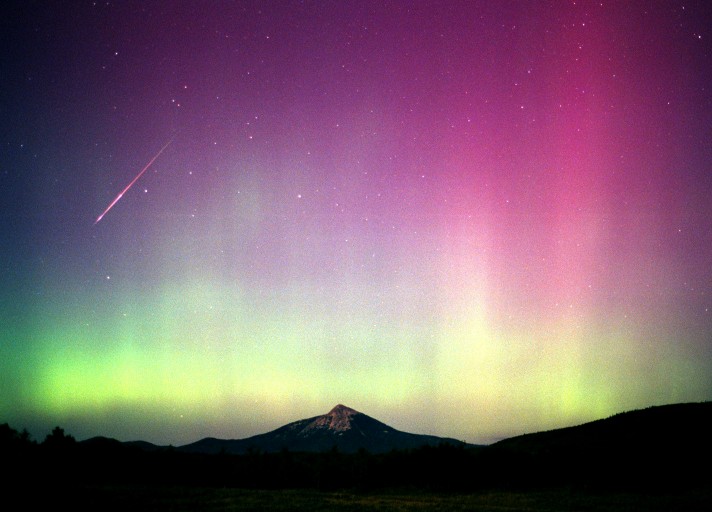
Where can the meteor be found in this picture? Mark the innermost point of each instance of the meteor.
(116, 200)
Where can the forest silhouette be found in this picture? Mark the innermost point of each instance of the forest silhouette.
(657, 449)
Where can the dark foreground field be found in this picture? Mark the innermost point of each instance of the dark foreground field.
(178, 499)
(651, 460)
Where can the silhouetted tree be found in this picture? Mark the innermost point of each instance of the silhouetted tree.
(8, 435)
(58, 439)
(14, 444)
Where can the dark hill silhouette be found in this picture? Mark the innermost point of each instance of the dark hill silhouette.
(342, 428)
(661, 445)
(661, 449)
(651, 428)
(145, 445)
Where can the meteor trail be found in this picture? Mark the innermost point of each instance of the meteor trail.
(116, 200)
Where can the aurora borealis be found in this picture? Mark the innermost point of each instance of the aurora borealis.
(467, 219)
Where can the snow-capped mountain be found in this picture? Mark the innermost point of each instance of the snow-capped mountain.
(342, 428)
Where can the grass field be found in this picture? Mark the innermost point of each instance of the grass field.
(201, 499)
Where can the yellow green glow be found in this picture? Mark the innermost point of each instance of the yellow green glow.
(202, 351)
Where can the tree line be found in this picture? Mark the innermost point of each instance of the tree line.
(60, 461)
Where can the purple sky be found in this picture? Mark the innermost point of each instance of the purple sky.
(471, 219)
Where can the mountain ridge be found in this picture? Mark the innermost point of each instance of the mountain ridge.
(664, 448)
(342, 428)
(639, 427)
(662, 427)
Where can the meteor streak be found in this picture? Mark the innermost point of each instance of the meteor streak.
(116, 200)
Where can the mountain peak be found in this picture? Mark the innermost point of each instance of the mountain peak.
(337, 419)
(340, 410)
(341, 427)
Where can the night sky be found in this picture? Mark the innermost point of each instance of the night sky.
(469, 219)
